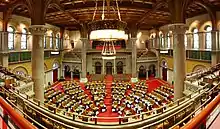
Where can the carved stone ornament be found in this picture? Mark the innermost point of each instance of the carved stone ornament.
(38, 29)
(178, 28)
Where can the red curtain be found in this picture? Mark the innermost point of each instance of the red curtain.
(55, 75)
(164, 73)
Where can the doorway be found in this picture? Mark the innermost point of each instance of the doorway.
(67, 73)
(142, 72)
(108, 68)
(120, 67)
(98, 68)
(152, 71)
(55, 75)
(76, 74)
(164, 70)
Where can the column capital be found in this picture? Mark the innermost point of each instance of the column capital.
(38, 29)
(178, 28)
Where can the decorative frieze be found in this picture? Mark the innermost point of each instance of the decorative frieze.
(38, 29)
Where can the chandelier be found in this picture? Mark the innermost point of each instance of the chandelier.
(107, 29)
(108, 51)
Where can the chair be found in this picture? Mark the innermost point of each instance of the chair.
(114, 106)
(102, 106)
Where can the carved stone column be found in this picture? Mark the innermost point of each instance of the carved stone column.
(114, 67)
(71, 74)
(4, 49)
(103, 66)
(179, 57)
(147, 74)
(38, 32)
(134, 60)
(83, 78)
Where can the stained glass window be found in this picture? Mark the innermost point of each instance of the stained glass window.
(208, 37)
(24, 39)
(195, 39)
(11, 37)
(51, 40)
(161, 41)
(185, 40)
(152, 40)
(168, 40)
(45, 41)
(57, 41)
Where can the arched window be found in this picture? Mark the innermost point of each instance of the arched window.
(24, 39)
(11, 37)
(168, 40)
(51, 40)
(152, 40)
(57, 41)
(45, 41)
(195, 39)
(161, 41)
(185, 40)
(208, 37)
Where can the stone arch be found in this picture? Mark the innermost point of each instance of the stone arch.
(210, 12)
(163, 62)
(199, 68)
(20, 70)
(45, 67)
(151, 54)
(25, 4)
(55, 65)
(194, 24)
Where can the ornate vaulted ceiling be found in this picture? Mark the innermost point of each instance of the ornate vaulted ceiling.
(146, 13)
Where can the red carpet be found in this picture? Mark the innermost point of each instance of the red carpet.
(153, 84)
(108, 103)
(109, 116)
(58, 86)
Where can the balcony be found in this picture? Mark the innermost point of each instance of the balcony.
(25, 56)
(199, 46)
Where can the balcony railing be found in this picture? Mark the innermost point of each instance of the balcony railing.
(25, 56)
(200, 55)
(193, 41)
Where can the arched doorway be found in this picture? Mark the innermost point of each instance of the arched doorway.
(120, 67)
(98, 68)
(76, 74)
(142, 72)
(55, 72)
(20, 70)
(152, 71)
(67, 71)
(108, 68)
(164, 70)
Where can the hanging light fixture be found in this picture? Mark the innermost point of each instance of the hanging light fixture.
(107, 29)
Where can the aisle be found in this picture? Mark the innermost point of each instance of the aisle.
(108, 103)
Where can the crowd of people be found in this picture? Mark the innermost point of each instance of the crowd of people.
(126, 99)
